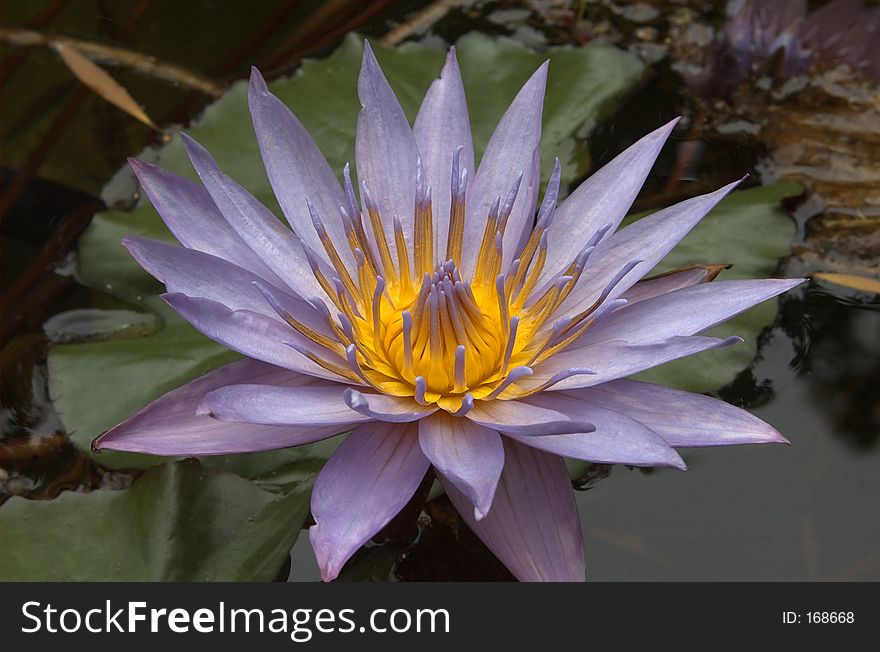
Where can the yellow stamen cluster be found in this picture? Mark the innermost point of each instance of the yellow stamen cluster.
(408, 325)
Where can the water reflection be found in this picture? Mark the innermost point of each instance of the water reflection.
(840, 361)
(765, 513)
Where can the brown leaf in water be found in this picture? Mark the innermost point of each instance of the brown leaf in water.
(862, 283)
(101, 83)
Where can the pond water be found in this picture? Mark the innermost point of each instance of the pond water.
(804, 512)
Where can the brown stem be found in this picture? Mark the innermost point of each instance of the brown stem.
(316, 22)
(421, 20)
(47, 14)
(41, 152)
(272, 23)
(292, 51)
(114, 56)
(183, 109)
(36, 158)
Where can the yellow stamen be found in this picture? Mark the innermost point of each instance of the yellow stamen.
(408, 325)
(379, 235)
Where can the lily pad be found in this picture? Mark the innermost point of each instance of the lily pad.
(749, 230)
(178, 522)
(93, 323)
(98, 384)
(584, 85)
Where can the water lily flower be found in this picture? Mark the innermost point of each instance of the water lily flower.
(841, 32)
(441, 315)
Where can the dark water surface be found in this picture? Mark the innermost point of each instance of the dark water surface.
(808, 511)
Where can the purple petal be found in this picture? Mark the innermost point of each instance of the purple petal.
(442, 126)
(681, 418)
(370, 477)
(248, 333)
(202, 275)
(297, 169)
(602, 200)
(511, 150)
(684, 312)
(533, 526)
(524, 418)
(170, 425)
(616, 359)
(467, 455)
(396, 409)
(648, 240)
(273, 242)
(648, 288)
(385, 150)
(618, 438)
(192, 216)
(281, 406)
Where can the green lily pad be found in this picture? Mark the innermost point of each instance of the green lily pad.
(98, 384)
(584, 86)
(178, 522)
(90, 323)
(750, 231)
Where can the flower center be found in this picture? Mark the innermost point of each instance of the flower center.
(444, 336)
(412, 326)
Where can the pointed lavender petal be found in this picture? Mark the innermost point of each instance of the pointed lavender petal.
(441, 127)
(616, 359)
(533, 526)
(603, 199)
(170, 425)
(687, 311)
(202, 275)
(248, 333)
(369, 478)
(297, 169)
(467, 455)
(681, 418)
(522, 418)
(649, 238)
(281, 406)
(512, 149)
(273, 242)
(618, 438)
(385, 150)
(395, 409)
(192, 216)
(685, 277)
